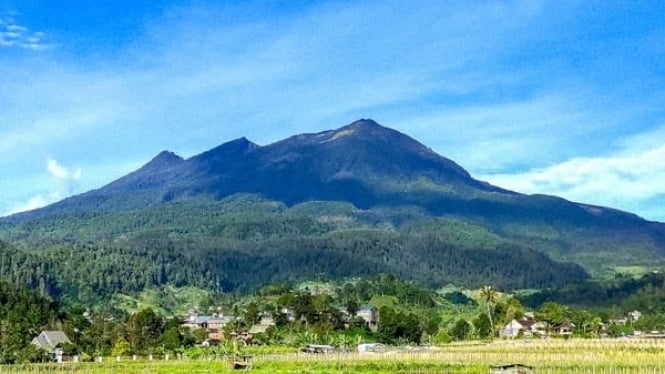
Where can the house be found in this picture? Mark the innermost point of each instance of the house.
(526, 326)
(370, 315)
(622, 321)
(633, 316)
(48, 340)
(511, 369)
(212, 324)
(566, 328)
(289, 313)
(513, 329)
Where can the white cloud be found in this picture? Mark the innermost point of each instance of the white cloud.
(64, 181)
(625, 181)
(35, 202)
(14, 35)
(493, 137)
(61, 172)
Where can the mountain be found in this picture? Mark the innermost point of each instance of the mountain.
(357, 200)
(362, 163)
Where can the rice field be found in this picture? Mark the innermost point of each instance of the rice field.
(616, 356)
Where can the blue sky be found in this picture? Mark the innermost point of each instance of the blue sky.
(558, 97)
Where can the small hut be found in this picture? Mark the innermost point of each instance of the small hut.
(511, 369)
(242, 362)
(318, 348)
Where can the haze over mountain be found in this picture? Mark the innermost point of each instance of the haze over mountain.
(358, 200)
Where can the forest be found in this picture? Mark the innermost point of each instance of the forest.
(245, 242)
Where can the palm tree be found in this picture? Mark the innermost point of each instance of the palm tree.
(489, 295)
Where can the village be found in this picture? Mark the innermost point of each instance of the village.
(210, 330)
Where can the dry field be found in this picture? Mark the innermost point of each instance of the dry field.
(545, 356)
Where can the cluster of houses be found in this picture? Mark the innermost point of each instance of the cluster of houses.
(214, 324)
(528, 326)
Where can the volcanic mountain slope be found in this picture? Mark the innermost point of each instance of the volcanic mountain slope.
(357, 200)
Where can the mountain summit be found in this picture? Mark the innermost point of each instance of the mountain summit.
(363, 163)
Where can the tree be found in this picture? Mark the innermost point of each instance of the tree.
(352, 307)
(552, 314)
(583, 319)
(144, 328)
(396, 326)
(441, 337)
(461, 330)
(252, 313)
(489, 296)
(482, 326)
(514, 310)
(172, 339)
(121, 347)
(201, 334)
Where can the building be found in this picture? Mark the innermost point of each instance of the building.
(48, 340)
(212, 324)
(370, 315)
(566, 328)
(525, 326)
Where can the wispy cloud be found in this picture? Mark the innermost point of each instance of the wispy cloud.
(62, 173)
(625, 180)
(12, 34)
(63, 182)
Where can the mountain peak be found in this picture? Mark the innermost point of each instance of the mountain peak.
(227, 151)
(163, 160)
(364, 123)
(362, 128)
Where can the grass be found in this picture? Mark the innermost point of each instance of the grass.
(167, 300)
(615, 356)
(634, 271)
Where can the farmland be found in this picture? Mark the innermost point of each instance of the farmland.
(546, 356)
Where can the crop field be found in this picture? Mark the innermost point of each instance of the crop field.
(555, 356)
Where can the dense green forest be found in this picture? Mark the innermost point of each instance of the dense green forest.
(244, 242)
(645, 293)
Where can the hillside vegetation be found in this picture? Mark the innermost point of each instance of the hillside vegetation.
(244, 242)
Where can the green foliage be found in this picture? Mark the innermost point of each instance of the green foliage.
(23, 314)
(144, 330)
(121, 348)
(244, 242)
(645, 293)
(482, 326)
(461, 330)
(553, 314)
(457, 297)
(398, 326)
